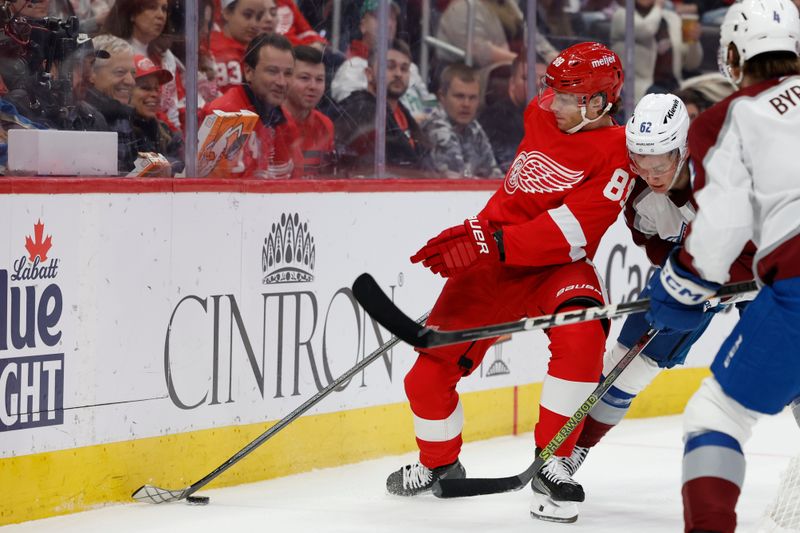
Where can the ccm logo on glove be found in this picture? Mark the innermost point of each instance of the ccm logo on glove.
(682, 287)
(677, 296)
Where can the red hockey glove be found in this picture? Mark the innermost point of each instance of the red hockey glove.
(457, 248)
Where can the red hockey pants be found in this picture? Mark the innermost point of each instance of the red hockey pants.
(491, 293)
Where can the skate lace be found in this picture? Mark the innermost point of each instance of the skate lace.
(556, 472)
(416, 476)
(574, 461)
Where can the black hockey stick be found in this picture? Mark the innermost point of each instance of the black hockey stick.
(382, 308)
(458, 488)
(153, 494)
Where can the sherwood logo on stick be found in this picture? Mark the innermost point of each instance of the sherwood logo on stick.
(31, 382)
(288, 254)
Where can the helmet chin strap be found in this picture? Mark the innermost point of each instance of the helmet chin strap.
(727, 69)
(735, 82)
(585, 121)
(677, 172)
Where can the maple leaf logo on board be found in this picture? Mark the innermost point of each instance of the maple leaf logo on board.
(37, 246)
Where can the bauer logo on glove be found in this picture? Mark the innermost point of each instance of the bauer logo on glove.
(457, 248)
(478, 235)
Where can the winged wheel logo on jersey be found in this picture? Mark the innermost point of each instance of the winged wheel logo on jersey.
(534, 172)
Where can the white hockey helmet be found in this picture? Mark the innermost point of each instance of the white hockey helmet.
(756, 27)
(659, 125)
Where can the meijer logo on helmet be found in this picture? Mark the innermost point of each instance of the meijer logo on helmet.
(605, 60)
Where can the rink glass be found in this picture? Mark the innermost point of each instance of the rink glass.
(65, 77)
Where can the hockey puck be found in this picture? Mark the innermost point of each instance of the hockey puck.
(198, 500)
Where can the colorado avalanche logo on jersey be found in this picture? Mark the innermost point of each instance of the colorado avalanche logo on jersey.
(534, 172)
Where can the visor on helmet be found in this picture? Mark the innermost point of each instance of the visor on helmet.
(549, 96)
(665, 164)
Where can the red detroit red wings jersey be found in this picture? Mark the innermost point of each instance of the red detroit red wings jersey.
(291, 23)
(312, 137)
(561, 193)
(229, 58)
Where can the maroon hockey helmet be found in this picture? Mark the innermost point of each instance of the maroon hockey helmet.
(585, 70)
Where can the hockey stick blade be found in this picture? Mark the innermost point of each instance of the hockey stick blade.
(380, 307)
(459, 488)
(463, 488)
(153, 494)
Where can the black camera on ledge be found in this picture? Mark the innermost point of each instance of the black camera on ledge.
(35, 57)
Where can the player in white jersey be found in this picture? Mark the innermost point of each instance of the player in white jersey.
(747, 188)
(658, 213)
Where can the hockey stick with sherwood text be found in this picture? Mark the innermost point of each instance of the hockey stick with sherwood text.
(459, 488)
(380, 307)
(153, 494)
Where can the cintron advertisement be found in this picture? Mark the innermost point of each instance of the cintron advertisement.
(137, 326)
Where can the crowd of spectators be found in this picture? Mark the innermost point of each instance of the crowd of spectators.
(316, 104)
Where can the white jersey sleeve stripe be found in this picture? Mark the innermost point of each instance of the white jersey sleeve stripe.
(440, 430)
(571, 229)
(563, 397)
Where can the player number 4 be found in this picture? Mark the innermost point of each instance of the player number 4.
(619, 187)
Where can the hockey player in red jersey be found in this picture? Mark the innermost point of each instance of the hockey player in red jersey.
(746, 188)
(528, 253)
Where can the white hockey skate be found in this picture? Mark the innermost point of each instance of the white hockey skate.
(555, 494)
(549, 510)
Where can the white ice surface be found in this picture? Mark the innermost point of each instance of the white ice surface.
(632, 481)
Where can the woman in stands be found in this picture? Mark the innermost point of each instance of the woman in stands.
(152, 134)
(145, 25)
